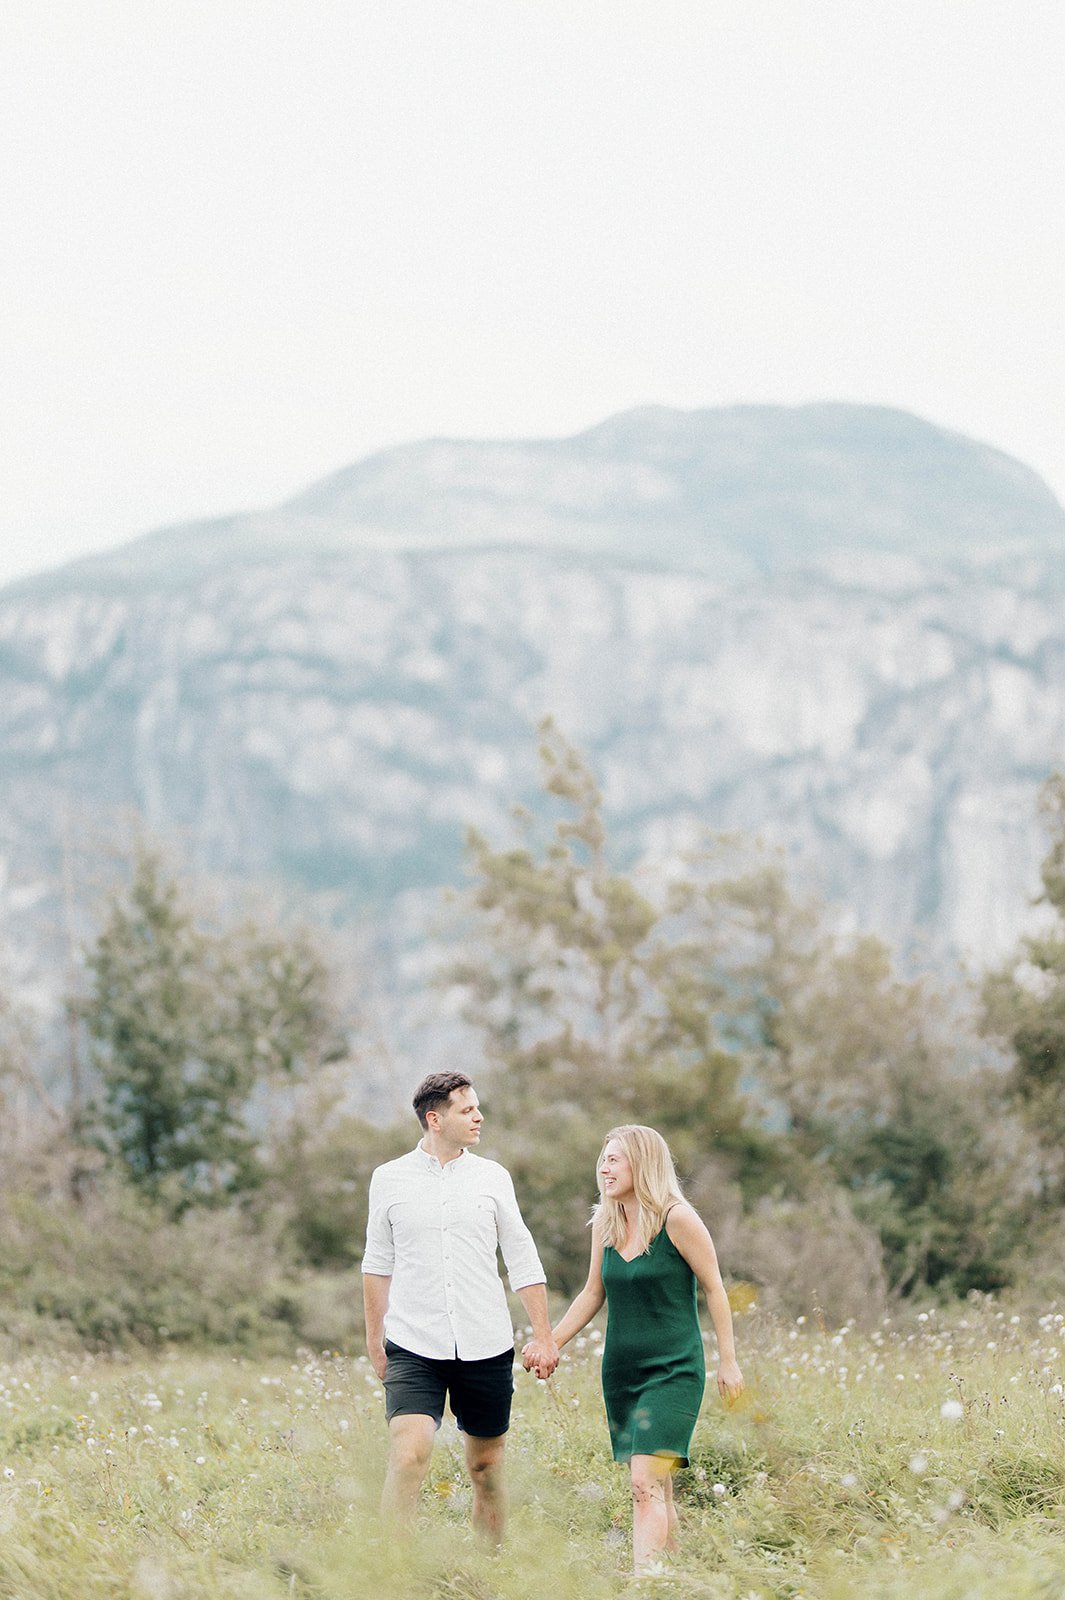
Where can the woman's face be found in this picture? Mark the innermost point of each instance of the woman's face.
(615, 1172)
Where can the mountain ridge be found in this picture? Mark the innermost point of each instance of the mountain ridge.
(724, 489)
(304, 705)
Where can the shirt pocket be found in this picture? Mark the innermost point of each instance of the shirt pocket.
(474, 1218)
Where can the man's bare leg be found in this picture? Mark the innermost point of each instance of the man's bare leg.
(410, 1444)
(484, 1462)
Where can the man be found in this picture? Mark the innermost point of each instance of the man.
(437, 1323)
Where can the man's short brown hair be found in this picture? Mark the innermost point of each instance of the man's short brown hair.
(436, 1090)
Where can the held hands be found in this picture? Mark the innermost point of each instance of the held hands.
(541, 1356)
(729, 1381)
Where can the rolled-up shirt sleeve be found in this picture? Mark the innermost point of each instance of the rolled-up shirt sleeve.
(379, 1257)
(516, 1242)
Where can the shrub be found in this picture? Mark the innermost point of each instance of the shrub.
(812, 1255)
(119, 1271)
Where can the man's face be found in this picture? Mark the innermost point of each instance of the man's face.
(460, 1120)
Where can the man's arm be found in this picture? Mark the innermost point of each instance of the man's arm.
(375, 1304)
(541, 1351)
(378, 1260)
(526, 1275)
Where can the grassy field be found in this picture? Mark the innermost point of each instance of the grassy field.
(925, 1459)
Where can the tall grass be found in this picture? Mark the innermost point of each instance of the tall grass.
(926, 1458)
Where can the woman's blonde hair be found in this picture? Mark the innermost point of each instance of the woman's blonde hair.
(654, 1183)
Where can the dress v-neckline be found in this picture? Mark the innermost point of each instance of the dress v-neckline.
(628, 1260)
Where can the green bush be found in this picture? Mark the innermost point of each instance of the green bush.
(119, 1271)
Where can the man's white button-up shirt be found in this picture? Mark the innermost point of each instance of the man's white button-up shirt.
(434, 1231)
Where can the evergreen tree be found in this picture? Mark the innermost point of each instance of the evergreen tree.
(187, 1022)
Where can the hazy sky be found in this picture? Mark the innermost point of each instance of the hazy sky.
(246, 241)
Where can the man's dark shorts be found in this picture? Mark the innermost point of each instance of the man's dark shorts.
(480, 1391)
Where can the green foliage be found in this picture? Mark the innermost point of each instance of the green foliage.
(810, 1255)
(872, 1080)
(721, 1009)
(937, 1191)
(118, 1271)
(317, 1169)
(187, 1022)
(591, 1012)
(1024, 1005)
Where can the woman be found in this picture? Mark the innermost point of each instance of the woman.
(649, 1251)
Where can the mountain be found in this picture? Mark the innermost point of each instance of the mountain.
(740, 492)
(838, 625)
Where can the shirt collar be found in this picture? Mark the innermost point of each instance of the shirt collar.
(431, 1162)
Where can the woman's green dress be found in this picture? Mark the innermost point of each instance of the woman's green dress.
(654, 1370)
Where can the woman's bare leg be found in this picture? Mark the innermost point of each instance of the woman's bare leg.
(672, 1517)
(650, 1513)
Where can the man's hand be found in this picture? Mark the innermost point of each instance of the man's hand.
(375, 1289)
(540, 1355)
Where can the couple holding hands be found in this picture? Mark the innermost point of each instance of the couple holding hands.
(438, 1327)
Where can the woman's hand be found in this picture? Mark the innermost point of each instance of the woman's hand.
(541, 1356)
(729, 1381)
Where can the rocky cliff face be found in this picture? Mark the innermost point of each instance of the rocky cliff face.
(839, 627)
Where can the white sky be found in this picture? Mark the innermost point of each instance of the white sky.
(244, 242)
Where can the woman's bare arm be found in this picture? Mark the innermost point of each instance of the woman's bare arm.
(692, 1238)
(585, 1305)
